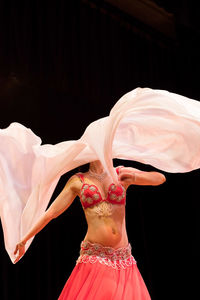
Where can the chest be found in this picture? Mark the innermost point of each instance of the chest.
(91, 195)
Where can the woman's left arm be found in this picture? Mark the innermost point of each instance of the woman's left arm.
(128, 176)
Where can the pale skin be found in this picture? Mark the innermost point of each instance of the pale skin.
(106, 230)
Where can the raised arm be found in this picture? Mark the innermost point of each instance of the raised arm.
(60, 204)
(128, 176)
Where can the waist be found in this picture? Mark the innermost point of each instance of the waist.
(117, 258)
(88, 248)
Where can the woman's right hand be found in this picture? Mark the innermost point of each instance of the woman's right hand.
(20, 248)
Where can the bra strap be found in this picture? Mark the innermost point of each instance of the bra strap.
(118, 169)
(80, 175)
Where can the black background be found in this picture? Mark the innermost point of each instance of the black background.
(63, 64)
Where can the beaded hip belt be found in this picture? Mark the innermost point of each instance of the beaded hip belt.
(119, 258)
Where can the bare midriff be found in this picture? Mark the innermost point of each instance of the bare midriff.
(106, 221)
(108, 230)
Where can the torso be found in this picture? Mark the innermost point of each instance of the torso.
(106, 221)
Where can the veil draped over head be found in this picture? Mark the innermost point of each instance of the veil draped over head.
(153, 127)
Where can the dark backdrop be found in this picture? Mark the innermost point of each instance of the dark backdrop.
(64, 64)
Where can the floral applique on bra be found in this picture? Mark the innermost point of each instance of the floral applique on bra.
(90, 194)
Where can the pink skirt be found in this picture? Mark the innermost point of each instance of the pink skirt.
(105, 273)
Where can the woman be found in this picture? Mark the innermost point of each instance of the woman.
(153, 127)
(108, 277)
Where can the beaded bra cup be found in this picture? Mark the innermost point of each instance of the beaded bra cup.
(90, 194)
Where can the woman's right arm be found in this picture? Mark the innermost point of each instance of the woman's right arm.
(60, 204)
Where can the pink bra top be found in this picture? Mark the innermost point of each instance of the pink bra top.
(90, 194)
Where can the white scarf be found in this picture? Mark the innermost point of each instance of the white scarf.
(153, 127)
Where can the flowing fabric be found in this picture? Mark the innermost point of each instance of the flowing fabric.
(153, 127)
(99, 282)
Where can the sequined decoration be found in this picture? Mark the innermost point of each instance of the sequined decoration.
(120, 258)
(102, 209)
(92, 188)
(113, 187)
(95, 196)
(91, 198)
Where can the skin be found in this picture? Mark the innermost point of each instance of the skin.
(106, 230)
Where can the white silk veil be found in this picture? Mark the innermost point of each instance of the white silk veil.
(153, 127)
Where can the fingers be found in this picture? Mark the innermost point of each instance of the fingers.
(21, 250)
(16, 249)
(18, 258)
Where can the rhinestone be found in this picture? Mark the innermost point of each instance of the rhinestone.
(113, 187)
(95, 196)
(89, 200)
(102, 254)
(113, 196)
(92, 188)
(110, 251)
(83, 198)
(96, 247)
(84, 243)
(89, 251)
(119, 198)
(85, 186)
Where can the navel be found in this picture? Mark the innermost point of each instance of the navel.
(113, 231)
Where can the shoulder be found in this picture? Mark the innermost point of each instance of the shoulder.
(74, 183)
